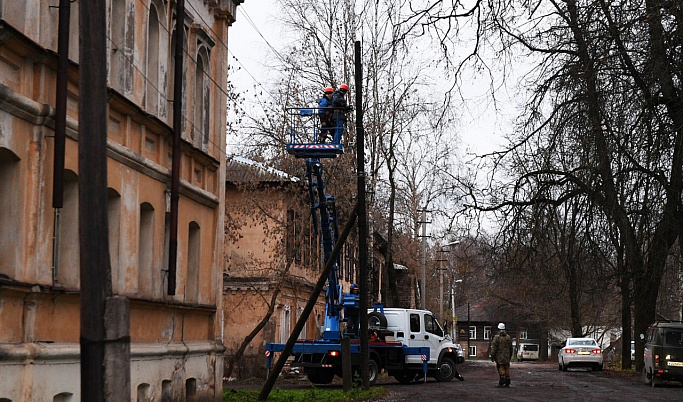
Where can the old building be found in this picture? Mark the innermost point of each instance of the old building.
(176, 349)
(270, 244)
(477, 324)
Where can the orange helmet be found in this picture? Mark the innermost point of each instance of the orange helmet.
(328, 90)
(344, 87)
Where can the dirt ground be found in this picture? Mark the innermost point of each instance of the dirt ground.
(529, 382)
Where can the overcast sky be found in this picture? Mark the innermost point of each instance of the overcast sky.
(256, 30)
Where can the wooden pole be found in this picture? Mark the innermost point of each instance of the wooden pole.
(312, 300)
(95, 270)
(362, 221)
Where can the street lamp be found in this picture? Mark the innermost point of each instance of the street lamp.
(453, 243)
(453, 330)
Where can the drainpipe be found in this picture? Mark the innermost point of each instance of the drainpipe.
(60, 128)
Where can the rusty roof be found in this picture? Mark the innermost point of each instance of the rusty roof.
(242, 170)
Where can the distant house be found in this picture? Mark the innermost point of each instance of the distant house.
(477, 324)
(270, 244)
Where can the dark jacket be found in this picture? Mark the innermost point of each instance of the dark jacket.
(339, 106)
(501, 348)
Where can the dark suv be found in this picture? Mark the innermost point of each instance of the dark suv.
(663, 354)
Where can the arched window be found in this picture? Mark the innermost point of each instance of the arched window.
(190, 388)
(68, 262)
(146, 249)
(171, 80)
(201, 101)
(114, 215)
(285, 323)
(302, 334)
(63, 397)
(121, 47)
(10, 191)
(144, 393)
(157, 50)
(193, 259)
(153, 87)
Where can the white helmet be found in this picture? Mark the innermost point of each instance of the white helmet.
(501, 326)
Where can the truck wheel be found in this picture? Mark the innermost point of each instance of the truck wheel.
(320, 376)
(445, 371)
(405, 377)
(373, 372)
(377, 320)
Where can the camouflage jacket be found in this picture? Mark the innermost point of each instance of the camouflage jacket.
(501, 348)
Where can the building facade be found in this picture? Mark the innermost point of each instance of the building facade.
(176, 346)
(270, 244)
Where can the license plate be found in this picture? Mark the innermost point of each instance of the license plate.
(676, 364)
(584, 353)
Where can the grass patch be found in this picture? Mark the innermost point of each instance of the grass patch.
(305, 395)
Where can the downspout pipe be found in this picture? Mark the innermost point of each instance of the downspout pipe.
(177, 129)
(60, 128)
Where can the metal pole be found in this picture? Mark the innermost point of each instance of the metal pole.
(440, 289)
(468, 329)
(423, 289)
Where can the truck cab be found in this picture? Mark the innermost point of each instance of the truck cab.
(418, 328)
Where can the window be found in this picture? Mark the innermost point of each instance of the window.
(63, 397)
(523, 333)
(121, 47)
(487, 332)
(171, 80)
(201, 101)
(473, 332)
(114, 223)
(473, 351)
(153, 43)
(190, 388)
(414, 323)
(285, 318)
(67, 259)
(146, 249)
(193, 260)
(302, 334)
(10, 185)
(143, 394)
(432, 325)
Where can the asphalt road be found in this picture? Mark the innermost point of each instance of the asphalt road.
(534, 382)
(529, 382)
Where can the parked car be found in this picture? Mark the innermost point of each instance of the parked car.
(527, 351)
(580, 352)
(663, 355)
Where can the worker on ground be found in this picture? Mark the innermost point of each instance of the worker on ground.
(501, 353)
(340, 108)
(325, 114)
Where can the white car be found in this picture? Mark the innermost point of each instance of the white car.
(580, 352)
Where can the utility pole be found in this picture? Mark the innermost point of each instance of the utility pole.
(362, 220)
(441, 268)
(104, 319)
(423, 288)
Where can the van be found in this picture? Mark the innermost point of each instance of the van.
(663, 354)
(527, 351)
